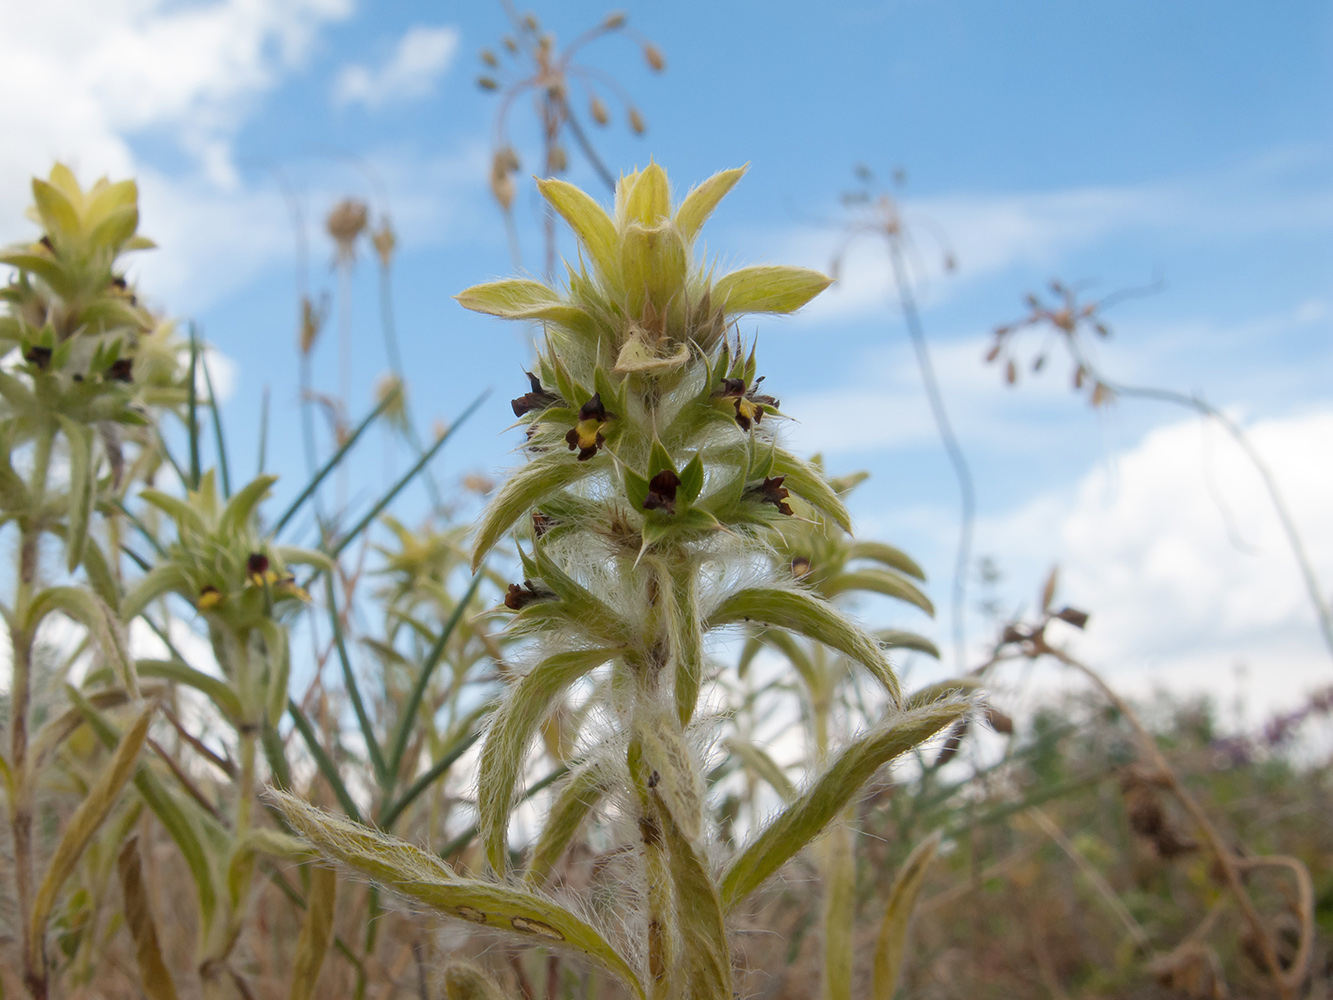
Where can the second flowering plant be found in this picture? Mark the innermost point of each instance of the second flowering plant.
(653, 484)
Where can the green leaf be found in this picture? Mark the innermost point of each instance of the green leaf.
(578, 794)
(327, 467)
(803, 612)
(892, 940)
(649, 200)
(516, 298)
(802, 821)
(59, 217)
(97, 804)
(526, 488)
(316, 932)
(892, 638)
(768, 288)
(81, 484)
(180, 826)
(354, 694)
(154, 976)
(879, 581)
(700, 202)
(240, 509)
(323, 761)
(589, 221)
(103, 627)
(759, 763)
(888, 555)
(425, 879)
(44, 267)
(118, 226)
(512, 730)
(216, 690)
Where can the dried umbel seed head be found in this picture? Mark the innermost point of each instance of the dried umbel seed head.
(385, 241)
(345, 223)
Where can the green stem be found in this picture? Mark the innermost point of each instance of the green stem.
(20, 695)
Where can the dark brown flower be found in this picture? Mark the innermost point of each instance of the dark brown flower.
(662, 492)
(520, 597)
(538, 399)
(749, 404)
(257, 569)
(121, 370)
(800, 566)
(586, 436)
(38, 356)
(771, 491)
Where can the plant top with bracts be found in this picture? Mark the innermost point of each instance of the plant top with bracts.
(653, 485)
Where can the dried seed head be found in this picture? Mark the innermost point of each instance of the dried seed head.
(652, 55)
(488, 83)
(385, 241)
(615, 19)
(488, 57)
(597, 109)
(345, 223)
(636, 122)
(504, 163)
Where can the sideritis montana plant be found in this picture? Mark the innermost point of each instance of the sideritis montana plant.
(652, 490)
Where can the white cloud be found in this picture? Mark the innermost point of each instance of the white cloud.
(1178, 597)
(85, 77)
(422, 56)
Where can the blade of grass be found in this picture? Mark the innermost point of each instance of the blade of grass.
(193, 423)
(330, 465)
(407, 477)
(324, 762)
(419, 689)
(440, 767)
(140, 526)
(219, 438)
(263, 432)
(354, 693)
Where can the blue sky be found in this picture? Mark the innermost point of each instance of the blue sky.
(1117, 144)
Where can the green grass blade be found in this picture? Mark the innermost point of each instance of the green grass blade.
(219, 437)
(428, 666)
(407, 477)
(327, 467)
(436, 771)
(892, 939)
(802, 821)
(192, 424)
(354, 693)
(323, 761)
(263, 432)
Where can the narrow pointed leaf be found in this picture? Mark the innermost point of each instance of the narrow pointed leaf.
(154, 976)
(425, 879)
(104, 628)
(95, 807)
(892, 939)
(81, 483)
(757, 761)
(699, 203)
(578, 794)
(525, 489)
(880, 581)
(805, 613)
(889, 555)
(802, 821)
(589, 221)
(768, 288)
(511, 733)
(316, 932)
